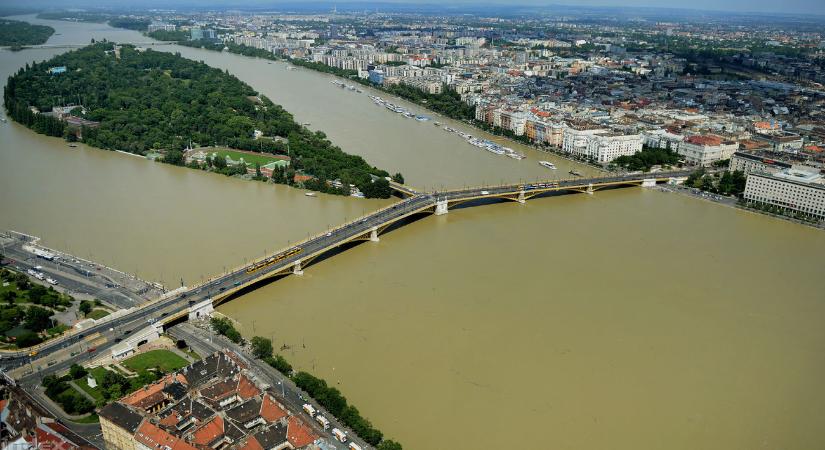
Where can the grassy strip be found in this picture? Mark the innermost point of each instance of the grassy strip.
(164, 359)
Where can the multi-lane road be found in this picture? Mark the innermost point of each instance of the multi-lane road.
(79, 277)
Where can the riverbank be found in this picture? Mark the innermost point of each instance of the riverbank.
(216, 107)
(734, 202)
(608, 290)
(421, 98)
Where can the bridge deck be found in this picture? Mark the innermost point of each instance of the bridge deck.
(219, 288)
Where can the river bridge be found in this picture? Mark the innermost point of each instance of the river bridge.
(190, 303)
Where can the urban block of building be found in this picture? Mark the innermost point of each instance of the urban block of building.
(212, 404)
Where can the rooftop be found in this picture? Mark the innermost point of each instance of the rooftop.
(214, 403)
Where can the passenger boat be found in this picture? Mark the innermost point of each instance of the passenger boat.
(548, 164)
(310, 194)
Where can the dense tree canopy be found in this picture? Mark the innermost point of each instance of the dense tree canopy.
(13, 32)
(153, 101)
(647, 158)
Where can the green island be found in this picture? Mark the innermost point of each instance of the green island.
(154, 103)
(15, 33)
(329, 397)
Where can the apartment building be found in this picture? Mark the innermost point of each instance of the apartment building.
(756, 163)
(704, 150)
(213, 404)
(790, 189)
(599, 144)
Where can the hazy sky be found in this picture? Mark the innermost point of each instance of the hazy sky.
(816, 7)
(781, 6)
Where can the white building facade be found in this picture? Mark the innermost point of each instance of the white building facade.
(792, 190)
(600, 145)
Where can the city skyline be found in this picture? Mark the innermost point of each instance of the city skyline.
(792, 7)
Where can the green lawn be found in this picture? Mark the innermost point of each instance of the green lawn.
(166, 360)
(97, 314)
(97, 373)
(94, 392)
(250, 160)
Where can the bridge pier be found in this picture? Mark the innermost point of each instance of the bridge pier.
(374, 234)
(521, 198)
(649, 182)
(296, 269)
(589, 189)
(441, 207)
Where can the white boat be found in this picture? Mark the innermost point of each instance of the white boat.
(517, 156)
(309, 194)
(548, 164)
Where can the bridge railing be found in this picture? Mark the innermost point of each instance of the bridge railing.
(568, 181)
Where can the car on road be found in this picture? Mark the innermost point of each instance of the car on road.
(91, 350)
(237, 283)
(127, 331)
(485, 192)
(118, 339)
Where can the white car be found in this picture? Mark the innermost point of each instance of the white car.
(485, 192)
(51, 280)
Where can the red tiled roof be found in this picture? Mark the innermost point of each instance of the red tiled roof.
(47, 439)
(271, 410)
(251, 444)
(171, 420)
(298, 433)
(153, 437)
(705, 140)
(140, 395)
(209, 431)
(247, 389)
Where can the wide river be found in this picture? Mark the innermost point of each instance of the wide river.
(630, 319)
